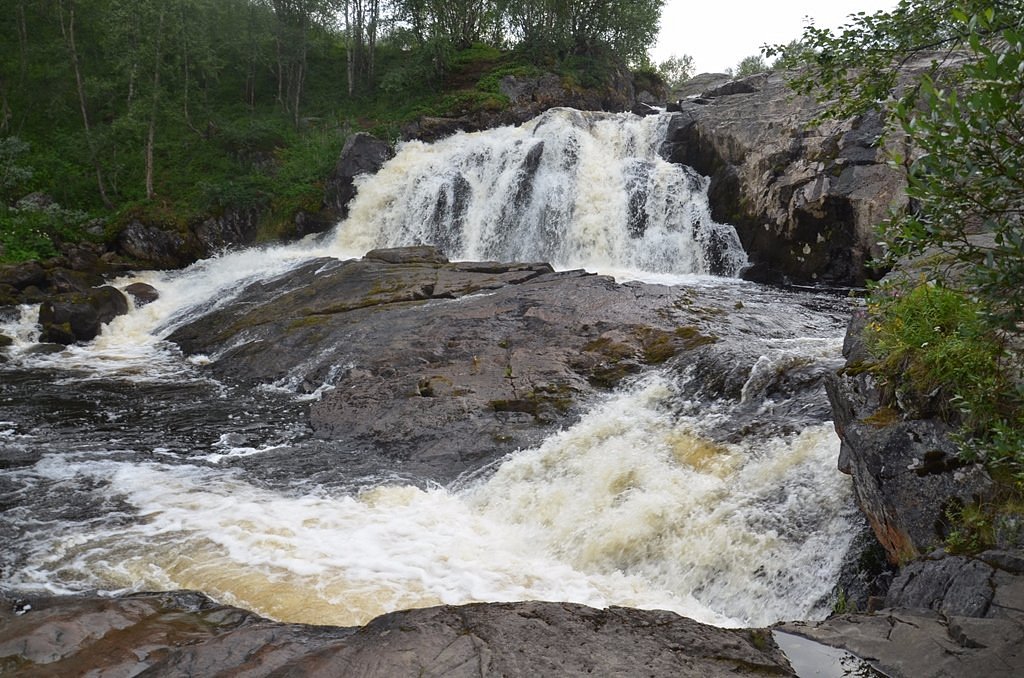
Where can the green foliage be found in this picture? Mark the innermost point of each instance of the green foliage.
(491, 82)
(179, 107)
(967, 173)
(750, 65)
(843, 604)
(960, 125)
(676, 70)
(34, 232)
(971, 529)
(939, 343)
(13, 176)
(858, 67)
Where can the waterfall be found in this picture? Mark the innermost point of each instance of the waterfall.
(576, 189)
(136, 470)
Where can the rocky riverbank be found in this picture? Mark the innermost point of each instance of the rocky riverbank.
(438, 368)
(186, 634)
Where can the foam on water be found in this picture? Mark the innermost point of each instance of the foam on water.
(579, 190)
(630, 507)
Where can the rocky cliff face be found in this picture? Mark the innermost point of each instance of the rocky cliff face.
(804, 197)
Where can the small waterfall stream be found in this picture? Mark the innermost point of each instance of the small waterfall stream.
(134, 470)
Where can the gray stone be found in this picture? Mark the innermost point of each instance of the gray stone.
(952, 585)
(154, 247)
(231, 227)
(924, 644)
(907, 473)
(65, 319)
(362, 154)
(142, 293)
(437, 386)
(805, 198)
(185, 633)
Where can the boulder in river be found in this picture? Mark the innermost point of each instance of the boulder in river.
(142, 293)
(945, 616)
(66, 319)
(362, 154)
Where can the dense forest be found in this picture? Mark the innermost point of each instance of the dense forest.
(171, 108)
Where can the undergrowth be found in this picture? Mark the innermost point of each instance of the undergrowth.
(939, 346)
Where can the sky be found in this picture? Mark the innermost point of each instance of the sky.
(718, 33)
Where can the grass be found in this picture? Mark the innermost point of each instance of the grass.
(937, 349)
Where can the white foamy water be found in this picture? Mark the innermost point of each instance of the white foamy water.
(629, 507)
(579, 190)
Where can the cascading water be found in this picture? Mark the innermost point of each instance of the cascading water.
(127, 468)
(586, 190)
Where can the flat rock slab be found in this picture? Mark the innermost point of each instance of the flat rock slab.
(908, 643)
(442, 367)
(184, 633)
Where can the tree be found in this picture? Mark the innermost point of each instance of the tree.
(67, 29)
(676, 70)
(962, 123)
(750, 65)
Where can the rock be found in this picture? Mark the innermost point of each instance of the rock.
(84, 257)
(185, 633)
(643, 109)
(436, 388)
(66, 319)
(805, 199)
(907, 473)
(63, 280)
(154, 247)
(20, 276)
(529, 96)
(924, 644)
(950, 585)
(422, 254)
(232, 227)
(362, 154)
(142, 293)
(748, 85)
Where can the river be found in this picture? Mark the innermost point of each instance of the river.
(126, 466)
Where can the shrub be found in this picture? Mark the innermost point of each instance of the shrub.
(939, 343)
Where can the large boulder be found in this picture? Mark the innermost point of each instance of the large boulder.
(944, 616)
(232, 227)
(362, 154)
(804, 197)
(65, 319)
(154, 247)
(418, 381)
(528, 97)
(907, 472)
(184, 633)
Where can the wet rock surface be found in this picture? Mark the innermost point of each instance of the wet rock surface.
(65, 319)
(944, 614)
(443, 367)
(185, 633)
(362, 154)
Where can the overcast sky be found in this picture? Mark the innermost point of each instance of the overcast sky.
(718, 33)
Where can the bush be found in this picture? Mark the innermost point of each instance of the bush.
(939, 343)
(34, 233)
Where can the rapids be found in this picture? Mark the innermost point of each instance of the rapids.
(126, 467)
